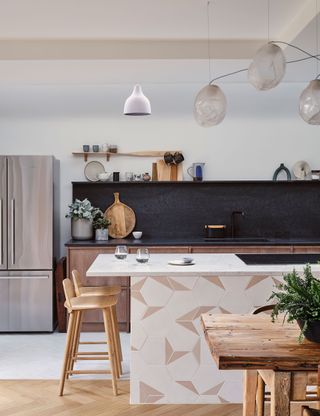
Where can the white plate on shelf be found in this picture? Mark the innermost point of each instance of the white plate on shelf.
(92, 170)
(181, 263)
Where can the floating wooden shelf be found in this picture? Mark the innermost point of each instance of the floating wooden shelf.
(151, 153)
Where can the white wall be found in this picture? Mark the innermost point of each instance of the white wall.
(261, 130)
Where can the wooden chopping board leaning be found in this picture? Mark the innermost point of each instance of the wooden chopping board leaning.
(122, 217)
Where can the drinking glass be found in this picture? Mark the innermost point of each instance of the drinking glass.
(121, 252)
(142, 255)
(129, 176)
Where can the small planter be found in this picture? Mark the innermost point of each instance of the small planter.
(81, 229)
(102, 234)
(313, 330)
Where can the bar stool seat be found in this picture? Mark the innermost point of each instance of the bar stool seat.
(99, 290)
(83, 303)
(75, 307)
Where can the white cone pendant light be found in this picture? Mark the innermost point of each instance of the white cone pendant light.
(210, 106)
(137, 104)
(267, 67)
(309, 107)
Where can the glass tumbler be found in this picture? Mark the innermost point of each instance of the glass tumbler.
(142, 255)
(121, 252)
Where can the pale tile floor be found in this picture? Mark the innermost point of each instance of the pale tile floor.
(39, 356)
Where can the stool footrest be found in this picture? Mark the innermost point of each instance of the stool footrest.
(93, 343)
(92, 353)
(89, 372)
(100, 357)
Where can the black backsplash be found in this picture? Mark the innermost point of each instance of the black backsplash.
(181, 209)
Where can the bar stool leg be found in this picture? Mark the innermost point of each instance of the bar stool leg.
(67, 353)
(116, 344)
(75, 341)
(110, 339)
(117, 332)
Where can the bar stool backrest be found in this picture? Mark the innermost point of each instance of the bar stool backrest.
(68, 292)
(77, 281)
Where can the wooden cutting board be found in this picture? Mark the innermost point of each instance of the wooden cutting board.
(169, 172)
(164, 171)
(122, 217)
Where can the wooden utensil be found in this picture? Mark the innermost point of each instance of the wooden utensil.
(122, 217)
(173, 172)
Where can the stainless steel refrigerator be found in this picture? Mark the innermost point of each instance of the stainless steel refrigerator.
(26, 242)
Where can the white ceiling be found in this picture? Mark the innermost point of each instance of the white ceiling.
(145, 19)
(149, 41)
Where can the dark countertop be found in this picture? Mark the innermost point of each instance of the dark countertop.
(149, 241)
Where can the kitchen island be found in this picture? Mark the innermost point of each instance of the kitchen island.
(170, 361)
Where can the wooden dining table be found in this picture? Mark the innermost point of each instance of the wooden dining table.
(255, 344)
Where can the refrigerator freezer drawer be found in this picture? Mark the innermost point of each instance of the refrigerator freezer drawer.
(4, 305)
(30, 306)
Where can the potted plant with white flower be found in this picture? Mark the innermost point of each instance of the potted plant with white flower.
(82, 215)
(101, 224)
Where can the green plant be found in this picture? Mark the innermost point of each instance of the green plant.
(101, 222)
(299, 298)
(82, 210)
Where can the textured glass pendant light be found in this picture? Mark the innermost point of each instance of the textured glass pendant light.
(309, 107)
(309, 104)
(137, 104)
(267, 67)
(210, 106)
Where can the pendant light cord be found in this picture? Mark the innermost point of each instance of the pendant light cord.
(208, 38)
(317, 37)
(268, 20)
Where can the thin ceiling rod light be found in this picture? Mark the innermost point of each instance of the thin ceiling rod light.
(137, 104)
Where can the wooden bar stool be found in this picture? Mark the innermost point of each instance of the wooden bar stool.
(75, 306)
(81, 290)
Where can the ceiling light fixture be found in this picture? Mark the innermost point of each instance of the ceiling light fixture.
(210, 105)
(137, 104)
(265, 72)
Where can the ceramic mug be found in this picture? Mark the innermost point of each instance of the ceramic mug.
(95, 148)
(196, 171)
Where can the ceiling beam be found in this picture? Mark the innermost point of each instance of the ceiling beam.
(67, 49)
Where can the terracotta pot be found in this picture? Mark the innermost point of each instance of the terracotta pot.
(313, 330)
(81, 229)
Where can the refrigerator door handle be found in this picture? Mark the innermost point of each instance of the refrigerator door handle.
(1, 234)
(13, 231)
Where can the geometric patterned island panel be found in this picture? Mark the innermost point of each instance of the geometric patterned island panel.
(170, 360)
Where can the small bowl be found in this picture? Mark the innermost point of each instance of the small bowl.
(104, 177)
(187, 259)
(137, 235)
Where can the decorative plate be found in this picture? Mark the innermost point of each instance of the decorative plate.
(92, 170)
(302, 170)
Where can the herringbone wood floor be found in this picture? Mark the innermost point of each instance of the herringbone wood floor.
(92, 398)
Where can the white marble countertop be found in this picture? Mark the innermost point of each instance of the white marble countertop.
(205, 264)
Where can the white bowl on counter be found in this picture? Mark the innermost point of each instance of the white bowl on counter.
(104, 177)
(137, 235)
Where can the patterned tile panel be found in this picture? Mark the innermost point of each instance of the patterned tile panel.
(171, 362)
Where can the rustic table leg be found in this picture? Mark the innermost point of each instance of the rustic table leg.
(261, 389)
(280, 394)
(249, 392)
